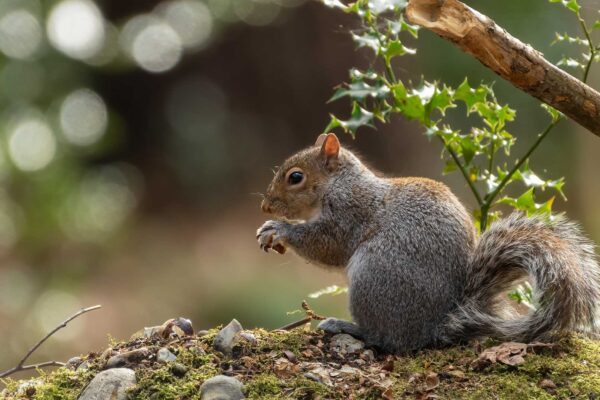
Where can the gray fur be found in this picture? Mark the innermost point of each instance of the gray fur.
(417, 276)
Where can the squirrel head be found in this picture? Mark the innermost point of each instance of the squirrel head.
(299, 184)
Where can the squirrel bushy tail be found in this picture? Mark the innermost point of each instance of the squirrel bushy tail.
(563, 268)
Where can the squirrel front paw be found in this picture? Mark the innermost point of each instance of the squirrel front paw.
(269, 236)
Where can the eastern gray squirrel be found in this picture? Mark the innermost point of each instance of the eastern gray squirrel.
(419, 276)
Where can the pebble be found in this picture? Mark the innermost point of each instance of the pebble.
(227, 337)
(250, 337)
(179, 370)
(221, 387)
(129, 357)
(74, 362)
(345, 344)
(110, 384)
(165, 356)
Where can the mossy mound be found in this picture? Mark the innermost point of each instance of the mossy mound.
(301, 364)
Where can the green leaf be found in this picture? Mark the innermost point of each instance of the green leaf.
(367, 40)
(441, 100)
(361, 90)
(395, 48)
(569, 4)
(554, 113)
(526, 202)
(596, 25)
(335, 4)
(333, 290)
(380, 6)
(359, 117)
(468, 149)
(449, 167)
(570, 62)
(471, 96)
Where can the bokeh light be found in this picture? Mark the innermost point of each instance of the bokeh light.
(20, 34)
(104, 199)
(51, 308)
(76, 27)
(83, 117)
(31, 143)
(191, 20)
(256, 12)
(16, 288)
(152, 43)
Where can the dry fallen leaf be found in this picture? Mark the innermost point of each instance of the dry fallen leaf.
(509, 353)
(547, 384)
(432, 381)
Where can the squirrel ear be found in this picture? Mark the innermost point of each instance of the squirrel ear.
(330, 149)
(320, 140)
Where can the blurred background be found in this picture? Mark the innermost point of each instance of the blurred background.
(135, 136)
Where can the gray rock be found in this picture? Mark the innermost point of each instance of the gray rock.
(165, 356)
(74, 362)
(127, 358)
(110, 384)
(345, 344)
(179, 370)
(84, 366)
(250, 337)
(227, 337)
(221, 387)
(201, 333)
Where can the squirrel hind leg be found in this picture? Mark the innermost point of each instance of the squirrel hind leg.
(335, 326)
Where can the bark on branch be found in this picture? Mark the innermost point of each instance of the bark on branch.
(518, 63)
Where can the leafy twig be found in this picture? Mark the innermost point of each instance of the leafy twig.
(21, 365)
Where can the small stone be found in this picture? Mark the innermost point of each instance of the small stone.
(84, 366)
(179, 370)
(165, 356)
(368, 355)
(185, 325)
(129, 357)
(250, 337)
(227, 337)
(73, 363)
(345, 344)
(221, 387)
(312, 377)
(202, 333)
(110, 384)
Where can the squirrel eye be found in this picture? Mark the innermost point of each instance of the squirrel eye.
(295, 178)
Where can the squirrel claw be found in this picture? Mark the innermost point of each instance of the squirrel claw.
(269, 237)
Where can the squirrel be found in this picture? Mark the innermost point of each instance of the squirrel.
(419, 275)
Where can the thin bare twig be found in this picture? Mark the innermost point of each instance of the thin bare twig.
(310, 316)
(21, 365)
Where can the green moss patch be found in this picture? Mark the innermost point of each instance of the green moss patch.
(301, 365)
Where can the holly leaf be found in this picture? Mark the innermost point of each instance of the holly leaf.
(367, 40)
(470, 96)
(361, 90)
(359, 117)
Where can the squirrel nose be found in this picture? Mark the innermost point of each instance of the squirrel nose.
(265, 206)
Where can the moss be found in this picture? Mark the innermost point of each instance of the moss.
(270, 387)
(264, 386)
(163, 383)
(573, 366)
(59, 384)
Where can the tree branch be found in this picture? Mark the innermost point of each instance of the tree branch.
(21, 365)
(518, 63)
